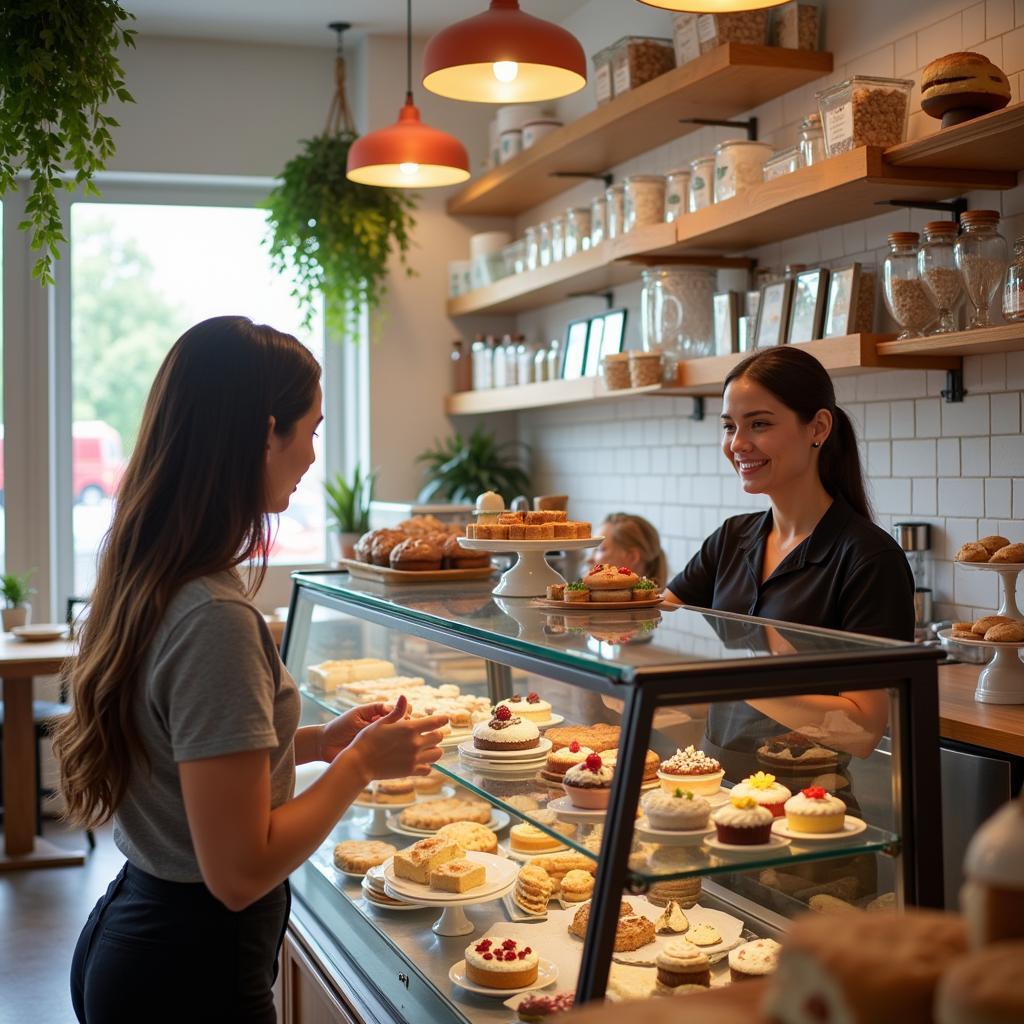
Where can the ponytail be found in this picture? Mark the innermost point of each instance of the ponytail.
(802, 384)
(634, 532)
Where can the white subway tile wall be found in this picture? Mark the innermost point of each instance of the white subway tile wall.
(959, 466)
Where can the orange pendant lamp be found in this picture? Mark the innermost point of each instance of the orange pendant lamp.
(713, 6)
(409, 153)
(504, 56)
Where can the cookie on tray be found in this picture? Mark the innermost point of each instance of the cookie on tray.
(357, 856)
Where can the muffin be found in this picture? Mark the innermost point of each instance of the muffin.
(765, 791)
(815, 810)
(678, 811)
(505, 731)
(384, 542)
(589, 783)
(691, 770)
(743, 822)
(416, 554)
(455, 556)
(681, 963)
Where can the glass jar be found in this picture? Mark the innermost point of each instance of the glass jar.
(676, 314)
(597, 215)
(812, 141)
(677, 188)
(540, 365)
(532, 238)
(615, 207)
(905, 294)
(936, 263)
(702, 177)
(557, 228)
(739, 164)
(645, 200)
(981, 256)
(1013, 293)
(544, 244)
(785, 161)
(577, 230)
(554, 354)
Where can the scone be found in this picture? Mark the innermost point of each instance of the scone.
(1006, 633)
(993, 542)
(581, 919)
(983, 625)
(470, 835)
(577, 886)
(972, 552)
(1012, 554)
(357, 856)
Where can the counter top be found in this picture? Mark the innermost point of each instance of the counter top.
(993, 726)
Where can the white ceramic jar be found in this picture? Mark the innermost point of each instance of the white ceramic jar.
(739, 164)
(536, 130)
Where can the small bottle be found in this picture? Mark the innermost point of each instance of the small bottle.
(477, 353)
(540, 364)
(499, 367)
(524, 359)
(812, 141)
(554, 359)
(1013, 293)
(508, 343)
(462, 367)
(487, 363)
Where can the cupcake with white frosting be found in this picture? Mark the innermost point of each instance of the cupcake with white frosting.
(765, 790)
(743, 822)
(682, 963)
(692, 771)
(589, 783)
(678, 811)
(815, 810)
(505, 731)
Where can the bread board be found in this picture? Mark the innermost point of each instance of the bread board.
(384, 574)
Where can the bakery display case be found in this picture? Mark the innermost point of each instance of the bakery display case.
(613, 780)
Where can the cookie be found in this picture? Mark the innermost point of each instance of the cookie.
(963, 634)
(577, 886)
(434, 814)
(470, 836)
(983, 625)
(972, 552)
(598, 737)
(1006, 633)
(993, 542)
(704, 935)
(357, 856)
(1011, 553)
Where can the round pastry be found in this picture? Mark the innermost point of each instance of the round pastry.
(530, 707)
(743, 822)
(489, 506)
(972, 552)
(363, 547)
(672, 921)
(753, 959)
(395, 791)
(505, 731)
(526, 838)
(678, 811)
(765, 791)
(962, 85)
(1006, 633)
(416, 554)
(576, 592)
(581, 919)
(681, 963)
(384, 542)
(599, 737)
(815, 810)
(470, 835)
(495, 962)
(1012, 554)
(427, 784)
(704, 934)
(983, 625)
(983, 987)
(993, 542)
(455, 556)
(577, 886)
(358, 855)
(645, 589)
(691, 770)
(560, 761)
(611, 583)
(589, 783)
(535, 1009)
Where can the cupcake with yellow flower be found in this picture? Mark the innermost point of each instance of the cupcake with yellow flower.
(765, 791)
(743, 822)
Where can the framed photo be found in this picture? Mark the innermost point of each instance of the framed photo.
(727, 311)
(773, 314)
(594, 335)
(807, 310)
(575, 360)
(841, 309)
(614, 331)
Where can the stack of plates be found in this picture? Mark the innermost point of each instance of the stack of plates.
(373, 892)
(504, 760)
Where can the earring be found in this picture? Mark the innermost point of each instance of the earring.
(815, 444)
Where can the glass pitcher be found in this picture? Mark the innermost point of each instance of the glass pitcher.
(676, 313)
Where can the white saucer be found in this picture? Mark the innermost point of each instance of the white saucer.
(522, 858)
(498, 821)
(42, 631)
(670, 837)
(547, 974)
(775, 844)
(553, 720)
(530, 754)
(851, 827)
(500, 872)
(567, 811)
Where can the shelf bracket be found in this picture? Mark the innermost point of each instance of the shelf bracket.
(697, 413)
(607, 296)
(749, 126)
(954, 390)
(607, 178)
(955, 206)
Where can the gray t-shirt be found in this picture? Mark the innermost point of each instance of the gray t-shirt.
(211, 684)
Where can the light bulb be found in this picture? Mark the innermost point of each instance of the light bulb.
(505, 70)
(409, 169)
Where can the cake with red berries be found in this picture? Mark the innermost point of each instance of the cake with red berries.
(494, 962)
(560, 761)
(531, 707)
(610, 583)
(505, 731)
(536, 1008)
(589, 783)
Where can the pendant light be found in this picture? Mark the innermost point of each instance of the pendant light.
(409, 153)
(504, 56)
(713, 6)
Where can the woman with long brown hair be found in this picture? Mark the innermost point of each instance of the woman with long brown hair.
(184, 727)
(632, 541)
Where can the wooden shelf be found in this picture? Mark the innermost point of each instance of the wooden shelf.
(535, 396)
(721, 84)
(993, 142)
(981, 342)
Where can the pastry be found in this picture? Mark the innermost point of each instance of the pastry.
(1012, 554)
(633, 932)
(678, 811)
(1006, 633)
(505, 731)
(534, 1008)
(825, 903)
(684, 891)
(555, 591)
(458, 875)
(983, 988)
(332, 675)
(428, 784)
(357, 856)
(417, 861)
(430, 815)
(531, 707)
(673, 921)
(704, 935)
(744, 822)
(815, 810)
(384, 544)
(599, 737)
(691, 770)
(416, 554)
(491, 531)
(470, 836)
(512, 518)
(394, 791)
(558, 865)
(576, 592)
(364, 547)
(610, 583)
(753, 959)
(765, 791)
(993, 542)
(589, 783)
(873, 969)
(652, 762)
(972, 551)
(542, 531)
(645, 589)
(534, 887)
(961, 86)
(525, 838)
(455, 556)
(681, 963)
(983, 625)
(577, 886)
(495, 962)
(794, 751)
(560, 761)
(882, 904)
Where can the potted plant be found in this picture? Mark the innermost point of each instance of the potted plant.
(458, 469)
(16, 592)
(348, 505)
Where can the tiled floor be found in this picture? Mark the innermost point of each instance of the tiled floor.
(41, 914)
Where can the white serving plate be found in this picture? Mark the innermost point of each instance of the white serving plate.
(851, 827)
(565, 809)
(498, 821)
(502, 546)
(500, 872)
(993, 566)
(371, 897)
(466, 748)
(547, 974)
(947, 634)
(444, 793)
(775, 843)
(40, 632)
(670, 837)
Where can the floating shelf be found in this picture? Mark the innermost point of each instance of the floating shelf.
(721, 84)
(534, 396)
(980, 342)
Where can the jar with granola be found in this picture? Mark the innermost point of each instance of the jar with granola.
(797, 25)
(864, 111)
(739, 164)
(645, 200)
(639, 59)
(615, 211)
(742, 27)
(905, 294)
(981, 256)
(937, 264)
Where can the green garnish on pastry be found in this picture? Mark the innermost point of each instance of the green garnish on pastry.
(576, 585)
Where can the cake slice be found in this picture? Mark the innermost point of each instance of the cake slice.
(458, 876)
(417, 861)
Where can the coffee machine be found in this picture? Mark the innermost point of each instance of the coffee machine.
(916, 541)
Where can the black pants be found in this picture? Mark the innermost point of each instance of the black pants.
(167, 951)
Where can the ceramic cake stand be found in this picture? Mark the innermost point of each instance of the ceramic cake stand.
(1001, 681)
(1008, 573)
(531, 575)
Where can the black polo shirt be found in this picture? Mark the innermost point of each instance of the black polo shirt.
(848, 574)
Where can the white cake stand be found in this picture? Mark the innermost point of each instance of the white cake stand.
(531, 575)
(1001, 681)
(1008, 573)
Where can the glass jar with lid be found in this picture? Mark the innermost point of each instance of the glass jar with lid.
(905, 294)
(702, 178)
(598, 207)
(577, 230)
(557, 229)
(981, 256)
(644, 200)
(532, 238)
(677, 188)
(1013, 293)
(812, 141)
(937, 265)
(544, 243)
(739, 164)
(615, 211)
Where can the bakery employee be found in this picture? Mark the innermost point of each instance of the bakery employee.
(184, 721)
(814, 557)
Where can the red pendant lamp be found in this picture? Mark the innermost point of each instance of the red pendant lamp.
(409, 153)
(504, 56)
(712, 6)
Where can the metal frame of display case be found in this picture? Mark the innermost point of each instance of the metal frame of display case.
(908, 670)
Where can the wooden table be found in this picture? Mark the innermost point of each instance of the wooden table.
(993, 726)
(20, 663)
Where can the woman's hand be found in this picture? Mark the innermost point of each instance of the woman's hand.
(337, 734)
(394, 746)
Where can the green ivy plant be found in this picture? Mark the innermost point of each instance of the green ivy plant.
(458, 468)
(58, 67)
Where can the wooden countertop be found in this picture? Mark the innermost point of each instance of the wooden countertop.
(993, 726)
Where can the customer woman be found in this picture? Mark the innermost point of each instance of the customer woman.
(632, 541)
(184, 728)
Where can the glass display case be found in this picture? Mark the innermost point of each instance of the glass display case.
(827, 714)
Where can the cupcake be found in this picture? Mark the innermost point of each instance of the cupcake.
(576, 592)
(589, 783)
(691, 770)
(743, 822)
(765, 791)
(645, 589)
(678, 811)
(505, 731)
(815, 810)
(682, 963)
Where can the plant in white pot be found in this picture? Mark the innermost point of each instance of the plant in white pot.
(348, 505)
(16, 592)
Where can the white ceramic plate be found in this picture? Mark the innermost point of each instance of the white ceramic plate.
(516, 912)
(40, 632)
(374, 900)
(947, 634)
(500, 872)
(775, 844)
(730, 928)
(499, 820)
(547, 974)
(553, 720)
(467, 749)
(515, 770)
(567, 811)
(555, 544)
(670, 837)
(993, 566)
(851, 827)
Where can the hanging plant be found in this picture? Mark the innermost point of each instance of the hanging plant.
(332, 235)
(58, 67)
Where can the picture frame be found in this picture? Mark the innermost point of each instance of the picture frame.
(773, 314)
(807, 307)
(614, 332)
(595, 334)
(726, 308)
(574, 360)
(841, 308)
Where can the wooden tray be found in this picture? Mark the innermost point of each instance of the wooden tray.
(593, 606)
(383, 574)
